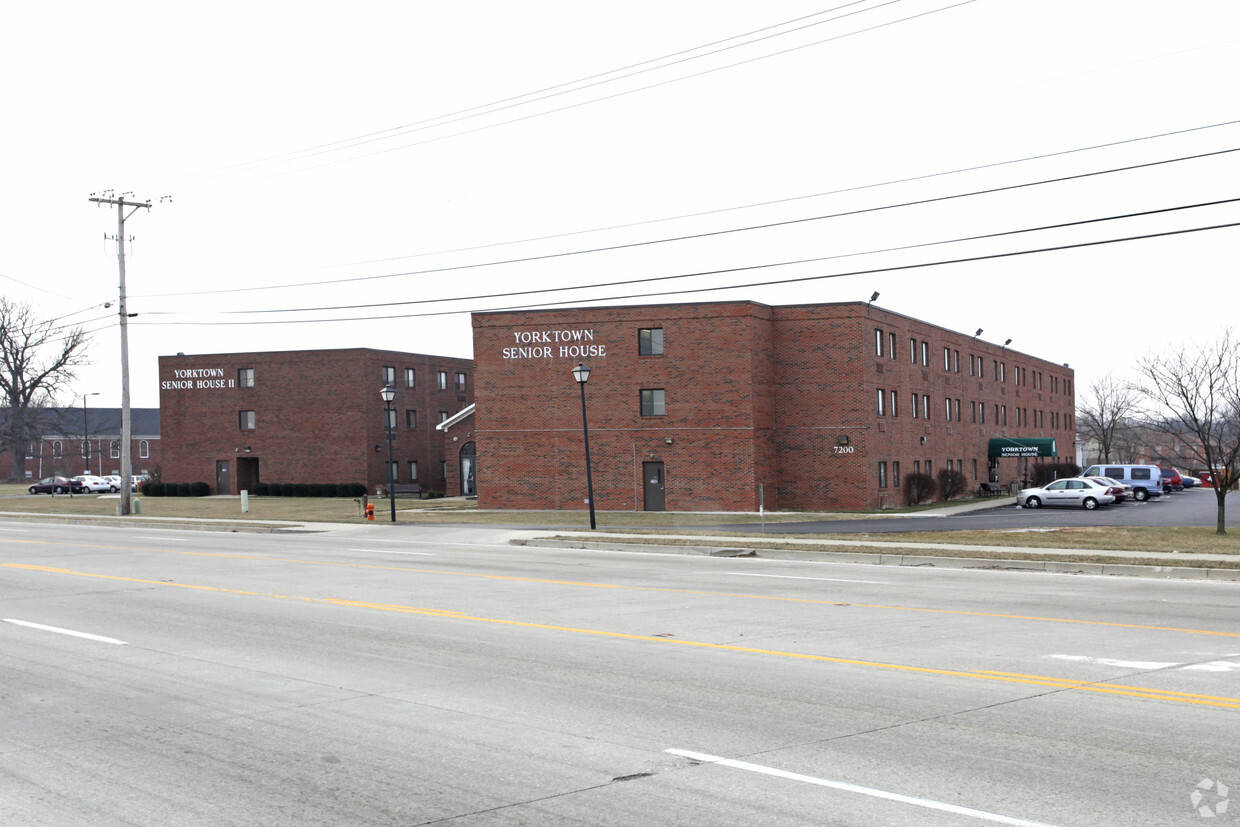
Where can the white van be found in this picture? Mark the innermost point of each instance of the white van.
(1146, 480)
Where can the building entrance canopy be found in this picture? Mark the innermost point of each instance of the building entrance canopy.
(1023, 447)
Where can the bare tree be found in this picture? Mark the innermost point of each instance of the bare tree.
(37, 360)
(1104, 413)
(1193, 396)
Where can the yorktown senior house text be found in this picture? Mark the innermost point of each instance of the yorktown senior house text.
(196, 378)
(544, 344)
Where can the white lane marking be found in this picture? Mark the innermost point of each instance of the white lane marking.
(853, 788)
(1125, 664)
(385, 551)
(1214, 666)
(792, 577)
(69, 632)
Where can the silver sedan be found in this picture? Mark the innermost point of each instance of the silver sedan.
(1076, 491)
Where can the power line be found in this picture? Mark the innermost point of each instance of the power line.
(1060, 226)
(498, 105)
(708, 234)
(630, 91)
(775, 282)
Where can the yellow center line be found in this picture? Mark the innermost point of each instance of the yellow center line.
(658, 589)
(1004, 677)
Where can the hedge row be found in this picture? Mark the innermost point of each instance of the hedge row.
(311, 489)
(174, 489)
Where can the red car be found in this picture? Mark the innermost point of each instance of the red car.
(57, 485)
(1171, 479)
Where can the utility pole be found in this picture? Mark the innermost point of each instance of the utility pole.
(126, 427)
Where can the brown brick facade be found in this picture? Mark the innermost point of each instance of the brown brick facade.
(317, 416)
(770, 405)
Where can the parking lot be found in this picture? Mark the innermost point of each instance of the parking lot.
(1193, 507)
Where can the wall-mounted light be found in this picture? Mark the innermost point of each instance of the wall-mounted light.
(377, 448)
(247, 449)
(923, 440)
(842, 439)
(667, 440)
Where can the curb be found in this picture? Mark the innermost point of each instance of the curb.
(908, 560)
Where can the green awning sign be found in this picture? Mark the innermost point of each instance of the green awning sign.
(1023, 447)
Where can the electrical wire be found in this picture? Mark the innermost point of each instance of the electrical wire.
(495, 106)
(596, 285)
(708, 234)
(775, 282)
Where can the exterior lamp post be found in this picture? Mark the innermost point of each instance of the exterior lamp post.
(582, 373)
(389, 393)
(86, 431)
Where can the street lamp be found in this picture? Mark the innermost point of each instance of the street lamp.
(582, 373)
(389, 393)
(86, 432)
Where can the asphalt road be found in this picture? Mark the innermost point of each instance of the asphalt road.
(404, 677)
(1195, 507)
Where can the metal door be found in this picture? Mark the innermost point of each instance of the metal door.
(652, 485)
(222, 482)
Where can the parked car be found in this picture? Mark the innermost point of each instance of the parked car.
(1172, 481)
(1121, 490)
(96, 484)
(1190, 481)
(116, 480)
(137, 481)
(1080, 492)
(57, 485)
(1146, 480)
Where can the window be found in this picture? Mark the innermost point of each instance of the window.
(891, 345)
(947, 358)
(947, 406)
(895, 404)
(955, 361)
(1003, 371)
(650, 341)
(391, 468)
(972, 365)
(973, 412)
(957, 410)
(245, 419)
(925, 354)
(882, 475)
(878, 342)
(56, 448)
(916, 412)
(925, 406)
(389, 418)
(949, 465)
(144, 449)
(245, 377)
(443, 469)
(114, 449)
(413, 470)
(929, 473)
(981, 412)
(443, 416)
(411, 376)
(916, 466)
(443, 380)
(652, 402)
(411, 418)
(389, 375)
(895, 474)
(882, 398)
(29, 450)
(975, 469)
(460, 381)
(912, 350)
(1003, 419)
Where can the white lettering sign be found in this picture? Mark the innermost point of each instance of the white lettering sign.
(197, 379)
(567, 343)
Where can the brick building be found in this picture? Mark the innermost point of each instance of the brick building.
(72, 441)
(234, 420)
(732, 405)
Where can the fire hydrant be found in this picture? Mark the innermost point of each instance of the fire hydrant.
(370, 511)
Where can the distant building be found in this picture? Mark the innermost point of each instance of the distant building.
(72, 441)
(733, 406)
(234, 420)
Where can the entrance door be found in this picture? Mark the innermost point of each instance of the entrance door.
(222, 483)
(652, 484)
(468, 474)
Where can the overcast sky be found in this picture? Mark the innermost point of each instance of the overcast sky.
(328, 155)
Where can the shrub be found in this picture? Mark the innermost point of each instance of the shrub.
(199, 489)
(314, 489)
(952, 484)
(260, 489)
(182, 489)
(289, 489)
(352, 489)
(275, 490)
(151, 489)
(301, 489)
(919, 487)
(328, 489)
